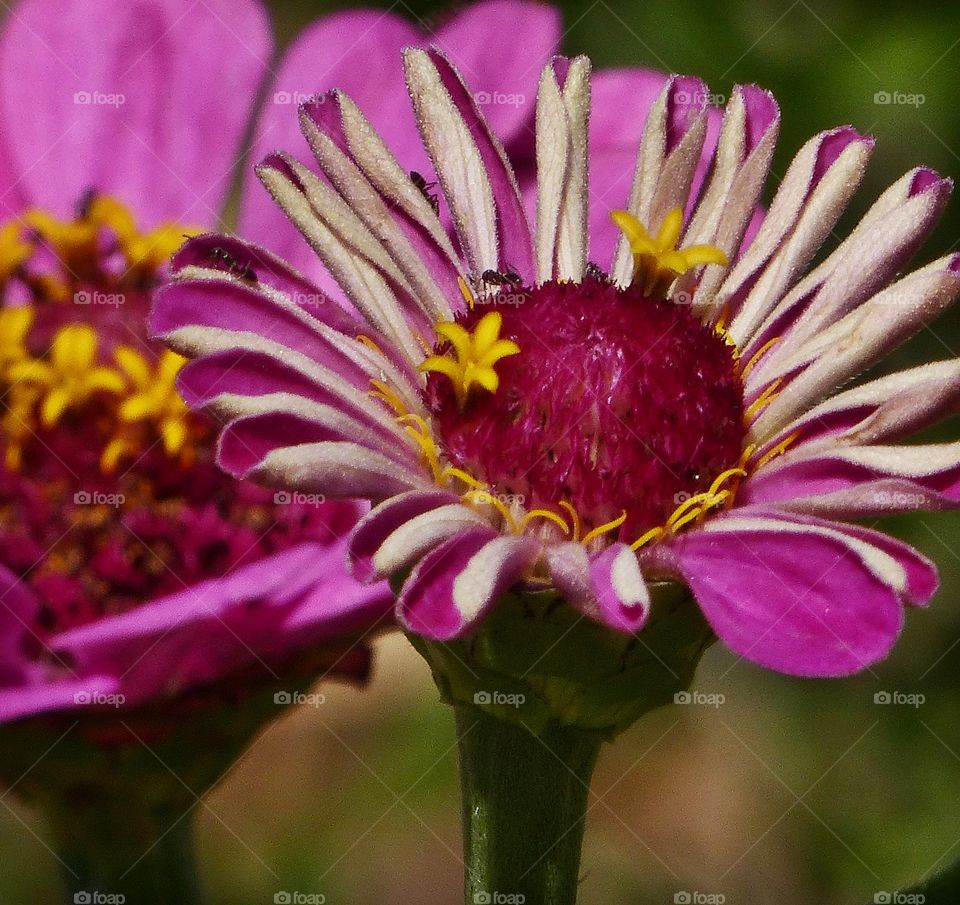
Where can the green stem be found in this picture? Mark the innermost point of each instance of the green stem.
(133, 850)
(524, 808)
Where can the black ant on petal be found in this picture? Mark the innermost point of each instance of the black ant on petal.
(242, 270)
(418, 180)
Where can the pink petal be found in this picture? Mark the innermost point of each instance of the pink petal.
(622, 594)
(259, 614)
(921, 574)
(375, 527)
(145, 101)
(878, 480)
(503, 81)
(608, 588)
(789, 597)
(323, 57)
(452, 587)
(205, 305)
(18, 608)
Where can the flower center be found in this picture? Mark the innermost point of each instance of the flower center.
(109, 492)
(617, 403)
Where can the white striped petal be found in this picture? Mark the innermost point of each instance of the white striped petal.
(421, 534)
(863, 264)
(456, 160)
(804, 211)
(362, 281)
(663, 176)
(337, 469)
(857, 340)
(362, 199)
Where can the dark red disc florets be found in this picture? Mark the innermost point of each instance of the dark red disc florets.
(616, 402)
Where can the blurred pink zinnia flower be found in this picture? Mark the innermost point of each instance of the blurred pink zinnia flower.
(522, 417)
(132, 569)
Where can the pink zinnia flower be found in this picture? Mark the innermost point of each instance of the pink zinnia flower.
(132, 569)
(553, 407)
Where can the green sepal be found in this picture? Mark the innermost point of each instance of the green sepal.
(571, 670)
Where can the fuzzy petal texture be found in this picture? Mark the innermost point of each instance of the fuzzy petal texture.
(455, 584)
(324, 57)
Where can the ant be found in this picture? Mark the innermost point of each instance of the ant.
(244, 271)
(594, 272)
(85, 203)
(424, 186)
(507, 277)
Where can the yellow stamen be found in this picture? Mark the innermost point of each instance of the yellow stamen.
(17, 423)
(689, 517)
(467, 293)
(369, 343)
(762, 401)
(748, 367)
(657, 262)
(691, 503)
(544, 514)
(474, 355)
(725, 476)
(775, 451)
(382, 391)
(75, 241)
(428, 447)
(71, 374)
(645, 538)
(603, 529)
(451, 472)
(574, 518)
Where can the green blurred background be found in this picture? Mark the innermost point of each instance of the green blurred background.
(791, 791)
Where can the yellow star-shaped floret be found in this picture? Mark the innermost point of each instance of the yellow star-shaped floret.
(70, 375)
(473, 356)
(154, 396)
(658, 261)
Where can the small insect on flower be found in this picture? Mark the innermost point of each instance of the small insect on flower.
(223, 260)
(507, 277)
(425, 189)
(668, 415)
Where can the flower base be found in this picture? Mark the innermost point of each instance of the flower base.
(536, 691)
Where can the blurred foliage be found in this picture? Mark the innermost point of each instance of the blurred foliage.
(792, 792)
